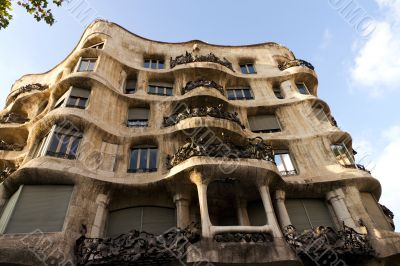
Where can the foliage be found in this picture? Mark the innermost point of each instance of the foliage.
(38, 8)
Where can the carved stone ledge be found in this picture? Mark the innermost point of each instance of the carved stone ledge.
(389, 214)
(217, 112)
(13, 118)
(253, 149)
(136, 248)
(189, 58)
(345, 244)
(191, 85)
(358, 166)
(293, 63)
(10, 147)
(28, 88)
(243, 237)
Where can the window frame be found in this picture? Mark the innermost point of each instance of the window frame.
(247, 66)
(96, 46)
(63, 101)
(154, 61)
(163, 88)
(234, 90)
(89, 59)
(130, 91)
(267, 131)
(305, 86)
(342, 156)
(138, 168)
(286, 172)
(277, 90)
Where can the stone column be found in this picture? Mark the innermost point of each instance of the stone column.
(286, 88)
(3, 196)
(283, 215)
(336, 199)
(196, 178)
(182, 202)
(123, 77)
(99, 222)
(242, 212)
(269, 210)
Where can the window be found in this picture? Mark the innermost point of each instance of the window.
(375, 212)
(34, 208)
(248, 69)
(240, 94)
(130, 86)
(320, 114)
(86, 64)
(143, 160)
(284, 163)
(163, 90)
(302, 88)
(154, 63)
(138, 117)
(264, 123)
(74, 97)
(150, 219)
(97, 46)
(256, 213)
(342, 154)
(278, 92)
(308, 213)
(64, 142)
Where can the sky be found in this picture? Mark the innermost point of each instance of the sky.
(353, 44)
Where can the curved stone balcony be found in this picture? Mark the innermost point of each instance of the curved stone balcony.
(294, 63)
(189, 58)
(191, 85)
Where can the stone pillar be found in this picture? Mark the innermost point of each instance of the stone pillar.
(269, 210)
(3, 196)
(242, 212)
(283, 215)
(123, 77)
(336, 199)
(287, 88)
(196, 178)
(99, 222)
(182, 202)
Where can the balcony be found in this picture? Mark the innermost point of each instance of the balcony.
(10, 146)
(189, 58)
(13, 118)
(357, 166)
(211, 111)
(191, 85)
(253, 148)
(27, 88)
(294, 63)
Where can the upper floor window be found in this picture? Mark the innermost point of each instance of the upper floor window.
(284, 163)
(240, 94)
(143, 160)
(342, 154)
(130, 86)
(320, 114)
(308, 213)
(154, 63)
(278, 92)
(138, 117)
(86, 64)
(74, 97)
(160, 89)
(33, 208)
(302, 88)
(150, 219)
(97, 46)
(248, 69)
(375, 211)
(264, 123)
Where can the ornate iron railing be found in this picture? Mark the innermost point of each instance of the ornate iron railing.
(5, 173)
(217, 112)
(244, 237)
(189, 58)
(345, 244)
(28, 88)
(296, 62)
(288, 172)
(191, 85)
(253, 149)
(10, 147)
(137, 248)
(357, 166)
(13, 118)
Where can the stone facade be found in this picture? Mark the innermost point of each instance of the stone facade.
(221, 135)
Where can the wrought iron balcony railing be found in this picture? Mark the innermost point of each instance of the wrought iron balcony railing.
(13, 118)
(5, 173)
(189, 58)
(28, 88)
(137, 248)
(288, 173)
(10, 147)
(357, 166)
(254, 148)
(296, 62)
(217, 112)
(191, 85)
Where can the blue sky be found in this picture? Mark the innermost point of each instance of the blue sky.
(359, 71)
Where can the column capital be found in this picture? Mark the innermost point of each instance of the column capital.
(280, 195)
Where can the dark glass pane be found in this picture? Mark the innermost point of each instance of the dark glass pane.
(82, 103)
(92, 64)
(53, 144)
(169, 91)
(160, 90)
(251, 68)
(153, 64)
(74, 147)
(153, 159)
(231, 94)
(247, 94)
(302, 88)
(64, 144)
(134, 158)
(71, 101)
(147, 63)
(83, 65)
(161, 64)
(243, 69)
(100, 46)
(239, 94)
(152, 90)
(143, 159)
(130, 86)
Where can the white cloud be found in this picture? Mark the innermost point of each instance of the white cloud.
(386, 172)
(377, 63)
(326, 39)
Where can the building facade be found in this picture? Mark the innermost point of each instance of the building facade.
(139, 152)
